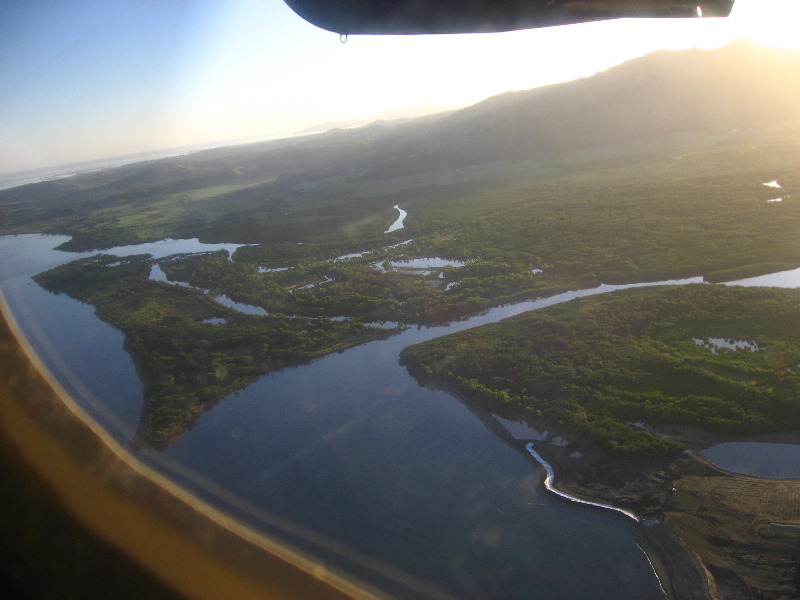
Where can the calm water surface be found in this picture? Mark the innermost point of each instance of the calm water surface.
(774, 461)
(398, 223)
(349, 459)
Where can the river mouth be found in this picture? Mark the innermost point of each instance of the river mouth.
(367, 467)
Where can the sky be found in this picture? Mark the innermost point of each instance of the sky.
(88, 79)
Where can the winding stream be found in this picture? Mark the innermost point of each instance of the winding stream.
(398, 224)
(349, 459)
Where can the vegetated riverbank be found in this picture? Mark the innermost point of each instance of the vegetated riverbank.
(590, 369)
(719, 535)
(596, 365)
(187, 365)
(637, 486)
(493, 316)
(80, 505)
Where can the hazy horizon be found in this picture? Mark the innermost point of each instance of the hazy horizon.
(91, 82)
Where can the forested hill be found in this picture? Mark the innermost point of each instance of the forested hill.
(260, 192)
(740, 86)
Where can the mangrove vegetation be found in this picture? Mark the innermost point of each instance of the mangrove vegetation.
(603, 368)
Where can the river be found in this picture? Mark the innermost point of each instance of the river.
(398, 223)
(349, 459)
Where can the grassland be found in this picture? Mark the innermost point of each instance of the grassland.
(746, 529)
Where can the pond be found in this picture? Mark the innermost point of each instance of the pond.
(433, 262)
(774, 461)
(717, 344)
(215, 321)
(272, 269)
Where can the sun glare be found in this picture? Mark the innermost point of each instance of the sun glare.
(767, 22)
(207, 72)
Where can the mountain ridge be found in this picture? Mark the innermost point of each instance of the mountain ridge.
(644, 104)
(738, 86)
(411, 112)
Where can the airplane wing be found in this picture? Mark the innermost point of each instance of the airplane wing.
(409, 17)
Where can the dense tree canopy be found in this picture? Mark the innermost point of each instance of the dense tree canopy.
(596, 364)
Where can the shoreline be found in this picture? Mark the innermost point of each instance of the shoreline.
(700, 537)
(681, 572)
(549, 484)
(706, 531)
(170, 533)
(561, 485)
